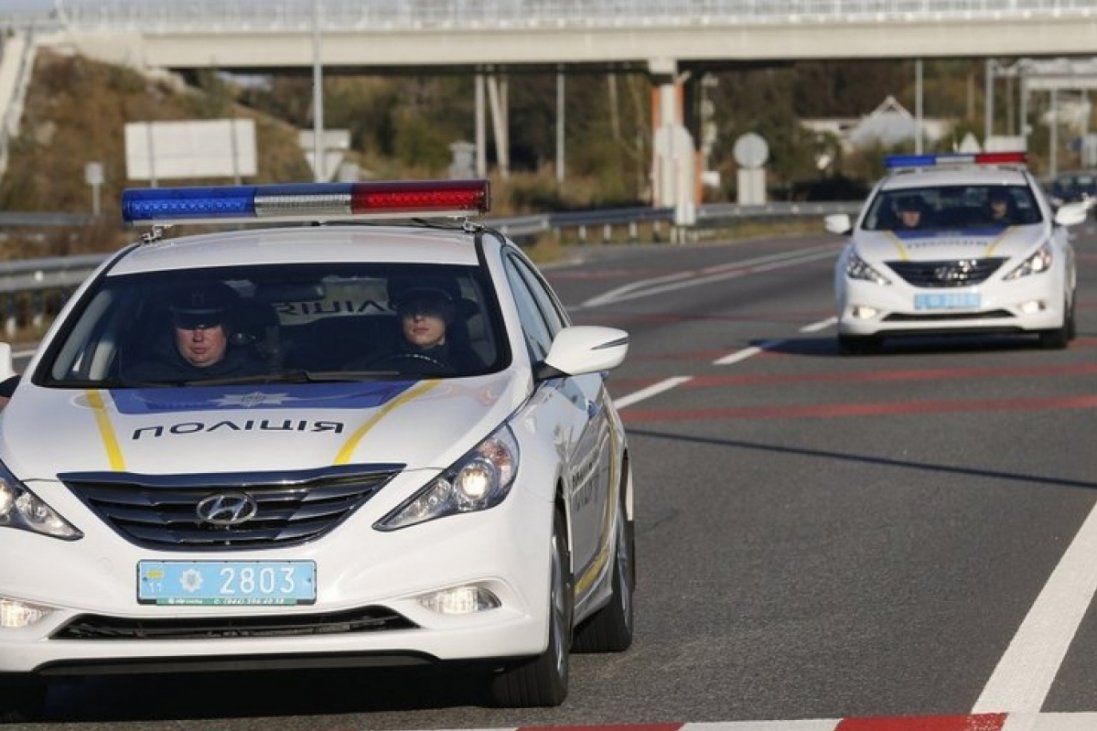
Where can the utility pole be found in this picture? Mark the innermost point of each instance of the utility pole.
(560, 126)
(988, 98)
(918, 106)
(318, 154)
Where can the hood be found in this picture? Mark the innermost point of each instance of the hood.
(420, 424)
(947, 244)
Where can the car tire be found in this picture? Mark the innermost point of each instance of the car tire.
(859, 344)
(1057, 338)
(610, 628)
(1072, 323)
(543, 680)
(22, 698)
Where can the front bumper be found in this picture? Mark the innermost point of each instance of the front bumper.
(504, 549)
(1003, 307)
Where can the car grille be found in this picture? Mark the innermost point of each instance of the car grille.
(988, 315)
(283, 508)
(97, 627)
(953, 273)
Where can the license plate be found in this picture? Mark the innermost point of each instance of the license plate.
(947, 301)
(226, 583)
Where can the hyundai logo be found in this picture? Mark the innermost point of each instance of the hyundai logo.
(225, 509)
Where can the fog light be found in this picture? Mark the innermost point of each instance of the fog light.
(15, 614)
(460, 600)
(1032, 307)
(864, 312)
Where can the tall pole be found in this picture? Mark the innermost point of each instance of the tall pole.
(481, 129)
(1054, 143)
(988, 98)
(560, 127)
(918, 106)
(317, 98)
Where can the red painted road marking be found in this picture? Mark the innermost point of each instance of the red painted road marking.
(641, 416)
(981, 722)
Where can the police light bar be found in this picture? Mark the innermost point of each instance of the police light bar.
(306, 202)
(892, 162)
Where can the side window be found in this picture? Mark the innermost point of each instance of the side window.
(537, 335)
(545, 300)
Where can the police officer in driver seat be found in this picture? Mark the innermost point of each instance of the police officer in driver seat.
(200, 344)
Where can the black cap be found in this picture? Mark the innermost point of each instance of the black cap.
(910, 203)
(203, 305)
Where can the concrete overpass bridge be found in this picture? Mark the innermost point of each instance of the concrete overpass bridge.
(661, 37)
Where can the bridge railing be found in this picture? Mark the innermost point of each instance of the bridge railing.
(410, 15)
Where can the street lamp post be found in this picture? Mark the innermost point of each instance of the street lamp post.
(317, 97)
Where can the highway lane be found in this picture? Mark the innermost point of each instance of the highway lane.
(818, 536)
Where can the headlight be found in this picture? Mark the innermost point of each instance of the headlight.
(1035, 264)
(858, 268)
(21, 508)
(477, 481)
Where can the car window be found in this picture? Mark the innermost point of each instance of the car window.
(951, 207)
(326, 321)
(546, 303)
(537, 334)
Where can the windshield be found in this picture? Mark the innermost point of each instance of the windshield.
(265, 324)
(952, 207)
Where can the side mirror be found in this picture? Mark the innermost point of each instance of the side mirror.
(1071, 214)
(839, 223)
(7, 365)
(584, 349)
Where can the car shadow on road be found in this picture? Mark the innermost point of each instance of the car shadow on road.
(866, 459)
(210, 696)
(906, 345)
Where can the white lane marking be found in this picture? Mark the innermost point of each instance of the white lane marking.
(821, 325)
(740, 355)
(732, 270)
(653, 390)
(1028, 668)
(1051, 722)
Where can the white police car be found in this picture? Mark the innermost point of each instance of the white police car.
(253, 450)
(955, 244)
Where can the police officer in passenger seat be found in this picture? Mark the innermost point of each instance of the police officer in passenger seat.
(426, 314)
(200, 344)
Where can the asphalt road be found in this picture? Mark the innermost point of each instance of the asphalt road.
(818, 536)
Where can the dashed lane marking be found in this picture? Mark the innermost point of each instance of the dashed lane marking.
(740, 355)
(1026, 671)
(821, 325)
(653, 390)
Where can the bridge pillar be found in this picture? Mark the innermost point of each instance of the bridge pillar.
(673, 153)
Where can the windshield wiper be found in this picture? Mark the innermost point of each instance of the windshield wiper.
(295, 376)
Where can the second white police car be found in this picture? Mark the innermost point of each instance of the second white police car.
(315, 445)
(956, 244)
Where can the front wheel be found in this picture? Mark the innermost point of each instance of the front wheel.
(543, 680)
(22, 699)
(1058, 338)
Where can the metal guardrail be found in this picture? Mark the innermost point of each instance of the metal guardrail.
(61, 273)
(294, 15)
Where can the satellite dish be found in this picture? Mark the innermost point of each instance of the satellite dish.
(751, 151)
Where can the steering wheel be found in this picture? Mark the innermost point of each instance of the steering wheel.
(415, 360)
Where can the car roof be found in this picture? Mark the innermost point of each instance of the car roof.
(301, 245)
(970, 175)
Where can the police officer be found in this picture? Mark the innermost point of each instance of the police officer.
(200, 344)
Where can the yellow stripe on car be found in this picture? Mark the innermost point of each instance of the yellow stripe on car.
(106, 431)
(1000, 239)
(898, 244)
(352, 443)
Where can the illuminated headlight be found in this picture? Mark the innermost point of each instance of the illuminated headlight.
(16, 614)
(1035, 264)
(858, 268)
(864, 312)
(460, 600)
(477, 481)
(21, 508)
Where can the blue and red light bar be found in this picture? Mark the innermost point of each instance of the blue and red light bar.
(306, 202)
(892, 162)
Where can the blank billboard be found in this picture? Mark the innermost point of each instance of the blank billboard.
(216, 148)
